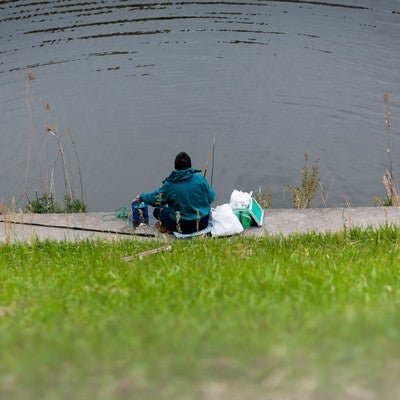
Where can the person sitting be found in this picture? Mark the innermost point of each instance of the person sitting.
(183, 202)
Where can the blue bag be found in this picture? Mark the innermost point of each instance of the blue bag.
(140, 214)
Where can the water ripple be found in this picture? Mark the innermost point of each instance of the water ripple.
(137, 77)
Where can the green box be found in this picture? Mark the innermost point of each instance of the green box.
(256, 212)
(244, 216)
(248, 215)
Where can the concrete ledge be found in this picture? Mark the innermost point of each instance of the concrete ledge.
(105, 226)
(324, 220)
(71, 227)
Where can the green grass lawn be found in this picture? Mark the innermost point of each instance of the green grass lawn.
(304, 317)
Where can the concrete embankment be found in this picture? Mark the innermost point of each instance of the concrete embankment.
(74, 227)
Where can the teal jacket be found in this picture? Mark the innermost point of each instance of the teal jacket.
(186, 192)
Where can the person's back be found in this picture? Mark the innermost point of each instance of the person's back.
(188, 197)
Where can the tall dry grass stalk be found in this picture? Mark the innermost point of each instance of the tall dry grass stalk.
(69, 132)
(46, 199)
(7, 219)
(392, 191)
(52, 130)
(325, 188)
(29, 78)
(264, 198)
(3, 209)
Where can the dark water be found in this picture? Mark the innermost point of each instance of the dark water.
(138, 81)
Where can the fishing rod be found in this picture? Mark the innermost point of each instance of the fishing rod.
(78, 228)
(211, 156)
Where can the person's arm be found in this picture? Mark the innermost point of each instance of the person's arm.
(156, 198)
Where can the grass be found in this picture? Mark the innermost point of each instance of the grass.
(304, 317)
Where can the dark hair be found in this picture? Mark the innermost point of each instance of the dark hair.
(182, 161)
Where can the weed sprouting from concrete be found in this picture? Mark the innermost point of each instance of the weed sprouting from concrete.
(264, 198)
(306, 192)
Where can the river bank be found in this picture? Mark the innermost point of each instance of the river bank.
(106, 226)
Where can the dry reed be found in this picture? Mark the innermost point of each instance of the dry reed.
(392, 191)
(47, 197)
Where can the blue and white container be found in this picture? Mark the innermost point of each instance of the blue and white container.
(140, 214)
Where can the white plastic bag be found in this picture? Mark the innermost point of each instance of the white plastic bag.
(240, 199)
(224, 222)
